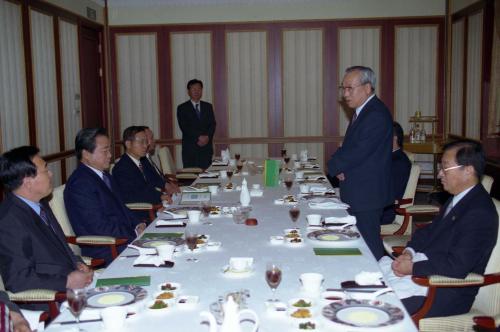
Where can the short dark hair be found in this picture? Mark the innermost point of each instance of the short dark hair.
(397, 131)
(85, 140)
(469, 153)
(366, 75)
(129, 133)
(193, 82)
(17, 164)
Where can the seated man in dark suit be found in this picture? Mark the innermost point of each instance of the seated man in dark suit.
(137, 179)
(19, 323)
(33, 248)
(401, 167)
(458, 242)
(92, 197)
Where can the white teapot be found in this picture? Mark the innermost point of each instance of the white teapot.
(232, 318)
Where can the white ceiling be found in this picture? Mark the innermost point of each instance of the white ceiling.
(148, 3)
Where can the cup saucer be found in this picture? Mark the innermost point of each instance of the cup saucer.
(231, 273)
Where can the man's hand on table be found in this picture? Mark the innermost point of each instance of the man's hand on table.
(19, 323)
(403, 265)
(139, 229)
(79, 279)
(340, 176)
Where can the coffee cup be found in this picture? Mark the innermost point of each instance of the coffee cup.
(314, 219)
(194, 216)
(232, 162)
(223, 174)
(304, 188)
(299, 175)
(166, 251)
(256, 186)
(239, 264)
(213, 189)
(311, 282)
(113, 318)
(294, 157)
(297, 165)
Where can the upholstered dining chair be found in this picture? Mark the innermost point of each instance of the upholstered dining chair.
(402, 223)
(395, 243)
(59, 210)
(184, 175)
(50, 297)
(487, 302)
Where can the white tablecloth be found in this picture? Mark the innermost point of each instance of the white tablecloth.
(206, 280)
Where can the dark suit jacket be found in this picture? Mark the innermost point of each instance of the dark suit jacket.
(365, 159)
(401, 167)
(456, 245)
(31, 254)
(136, 186)
(93, 209)
(192, 127)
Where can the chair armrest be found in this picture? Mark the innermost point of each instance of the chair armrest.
(190, 170)
(435, 282)
(51, 297)
(92, 240)
(92, 262)
(139, 206)
(487, 322)
(422, 209)
(403, 201)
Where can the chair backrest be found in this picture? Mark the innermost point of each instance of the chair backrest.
(166, 160)
(59, 210)
(488, 299)
(487, 182)
(411, 188)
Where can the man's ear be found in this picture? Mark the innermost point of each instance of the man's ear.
(128, 144)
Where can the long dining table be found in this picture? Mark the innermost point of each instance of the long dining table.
(207, 280)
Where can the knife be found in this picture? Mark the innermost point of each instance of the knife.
(66, 322)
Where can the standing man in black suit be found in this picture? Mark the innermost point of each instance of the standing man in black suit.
(401, 167)
(197, 122)
(363, 163)
(459, 240)
(33, 248)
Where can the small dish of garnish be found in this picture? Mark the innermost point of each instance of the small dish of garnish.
(173, 287)
(300, 302)
(294, 241)
(300, 313)
(166, 296)
(157, 306)
(187, 301)
(309, 325)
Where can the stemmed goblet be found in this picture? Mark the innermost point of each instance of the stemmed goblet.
(191, 238)
(294, 213)
(273, 278)
(77, 300)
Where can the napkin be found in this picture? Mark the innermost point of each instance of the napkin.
(256, 193)
(332, 203)
(209, 175)
(314, 176)
(170, 222)
(190, 189)
(143, 251)
(311, 166)
(219, 163)
(148, 259)
(225, 155)
(365, 278)
(318, 189)
(173, 215)
(33, 318)
(341, 220)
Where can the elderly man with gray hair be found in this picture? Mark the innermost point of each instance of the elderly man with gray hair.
(363, 163)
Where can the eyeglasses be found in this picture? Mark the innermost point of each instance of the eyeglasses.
(440, 168)
(349, 89)
(141, 141)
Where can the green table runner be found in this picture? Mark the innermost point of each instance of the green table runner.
(161, 235)
(337, 251)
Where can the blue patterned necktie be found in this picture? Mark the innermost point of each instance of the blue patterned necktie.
(45, 218)
(106, 179)
(198, 111)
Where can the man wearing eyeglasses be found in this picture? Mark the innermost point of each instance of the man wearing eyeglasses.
(458, 242)
(363, 163)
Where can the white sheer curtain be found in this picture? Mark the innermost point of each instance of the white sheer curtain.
(13, 104)
(457, 77)
(474, 70)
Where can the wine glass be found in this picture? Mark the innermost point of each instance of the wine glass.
(273, 278)
(294, 213)
(283, 152)
(288, 183)
(239, 166)
(237, 156)
(286, 158)
(205, 209)
(230, 172)
(191, 238)
(77, 300)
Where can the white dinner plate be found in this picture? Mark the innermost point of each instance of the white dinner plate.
(363, 313)
(326, 236)
(109, 296)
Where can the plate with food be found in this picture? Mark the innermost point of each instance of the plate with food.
(109, 296)
(158, 306)
(301, 302)
(363, 314)
(327, 236)
(300, 313)
(169, 287)
(286, 200)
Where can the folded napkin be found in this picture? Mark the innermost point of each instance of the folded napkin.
(311, 166)
(209, 175)
(136, 281)
(365, 278)
(148, 260)
(331, 203)
(318, 189)
(190, 189)
(171, 215)
(314, 176)
(225, 155)
(351, 220)
(337, 251)
(33, 318)
(170, 223)
(256, 193)
(219, 163)
(143, 251)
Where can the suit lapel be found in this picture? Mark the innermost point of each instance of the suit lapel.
(48, 234)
